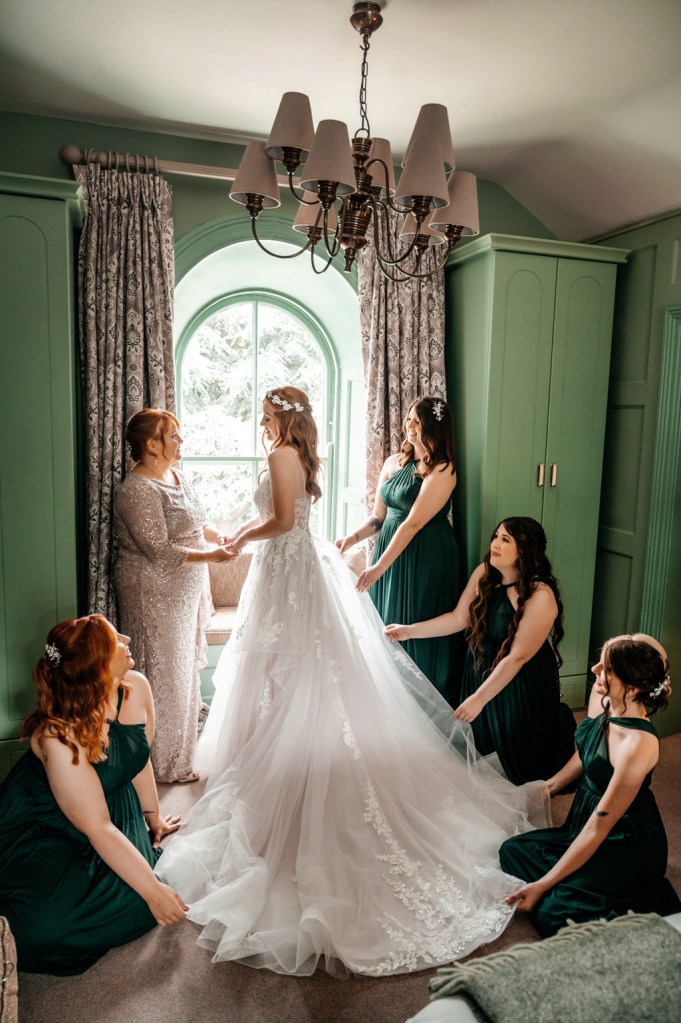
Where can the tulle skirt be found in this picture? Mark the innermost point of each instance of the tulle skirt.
(347, 820)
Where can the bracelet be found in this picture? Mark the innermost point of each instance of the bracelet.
(147, 812)
(356, 536)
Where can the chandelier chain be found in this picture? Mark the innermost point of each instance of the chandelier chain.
(363, 110)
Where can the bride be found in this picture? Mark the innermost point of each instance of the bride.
(347, 817)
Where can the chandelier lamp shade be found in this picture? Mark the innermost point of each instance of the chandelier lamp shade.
(348, 187)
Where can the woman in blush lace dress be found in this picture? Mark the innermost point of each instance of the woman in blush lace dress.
(162, 584)
(347, 819)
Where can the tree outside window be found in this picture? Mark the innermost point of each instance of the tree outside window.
(230, 355)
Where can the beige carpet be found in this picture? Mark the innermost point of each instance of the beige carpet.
(164, 978)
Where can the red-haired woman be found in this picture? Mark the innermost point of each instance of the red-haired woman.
(162, 584)
(513, 617)
(76, 855)
(342, 821)
(415, 572)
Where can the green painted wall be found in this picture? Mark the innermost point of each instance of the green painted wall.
(648, 286)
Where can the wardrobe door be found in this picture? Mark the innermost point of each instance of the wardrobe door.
(574, 451)
(518, 390)
(37, 454)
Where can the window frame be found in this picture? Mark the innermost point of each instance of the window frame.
(328, 430)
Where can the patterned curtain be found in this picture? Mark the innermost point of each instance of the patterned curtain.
(402, 332)
(125, 284)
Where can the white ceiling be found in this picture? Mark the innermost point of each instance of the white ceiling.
(574, 106)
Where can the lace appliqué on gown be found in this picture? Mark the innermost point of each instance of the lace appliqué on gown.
(347, 819)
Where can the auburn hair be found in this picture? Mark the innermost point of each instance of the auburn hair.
(149, 424)
(533, 568)
(298, 430)
(73, 686)
(437, 436)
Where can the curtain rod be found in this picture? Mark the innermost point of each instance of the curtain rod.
(133, 161)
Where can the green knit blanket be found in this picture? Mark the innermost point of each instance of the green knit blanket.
(626, 970)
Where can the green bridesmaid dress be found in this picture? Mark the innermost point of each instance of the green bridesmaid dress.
(423, 581)
(626, 871)
(525, 724)
(65, 906)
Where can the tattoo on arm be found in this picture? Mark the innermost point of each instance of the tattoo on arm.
(375, 523)
(602, 813)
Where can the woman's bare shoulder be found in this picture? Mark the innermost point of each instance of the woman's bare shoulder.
(391, 465)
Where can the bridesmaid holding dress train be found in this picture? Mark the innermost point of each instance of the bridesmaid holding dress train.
(415, 572)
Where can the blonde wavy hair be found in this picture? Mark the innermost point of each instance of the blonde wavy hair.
(296, 429)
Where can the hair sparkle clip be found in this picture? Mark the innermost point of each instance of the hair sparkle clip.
(438, 410)
(52, 653)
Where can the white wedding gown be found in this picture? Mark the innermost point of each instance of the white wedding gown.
(347, 817)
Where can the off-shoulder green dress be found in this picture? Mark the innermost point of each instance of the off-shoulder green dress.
(626, 871)
(423, 581)
(65, 906)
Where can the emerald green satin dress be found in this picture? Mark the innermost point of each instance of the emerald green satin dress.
(65, 906)
(423, 581)
(525, 724)
(626, 871)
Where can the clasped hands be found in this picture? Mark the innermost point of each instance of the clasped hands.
(231, 545)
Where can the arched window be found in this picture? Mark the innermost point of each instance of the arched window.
(228, 356)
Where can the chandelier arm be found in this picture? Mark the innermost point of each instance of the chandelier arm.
(334, 249)
(299, 198)
(384, 165)
(313, 265)
(278, 255)
(414, 275)
(390, 259)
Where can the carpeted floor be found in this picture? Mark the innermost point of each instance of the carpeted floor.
(164, 978)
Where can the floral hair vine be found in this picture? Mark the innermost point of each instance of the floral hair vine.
(661, 687)
(52, 653)
(287, 406)
(438, 410)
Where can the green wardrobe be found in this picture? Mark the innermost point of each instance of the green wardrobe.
(38, 579)
(529, 325)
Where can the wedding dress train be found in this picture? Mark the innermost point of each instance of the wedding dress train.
(347, 817)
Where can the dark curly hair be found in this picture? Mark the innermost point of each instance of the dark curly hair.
(533, 568)
(637, 663)
(437, 435)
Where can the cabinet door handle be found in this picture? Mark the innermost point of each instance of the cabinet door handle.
(554, 473)
(540, 476)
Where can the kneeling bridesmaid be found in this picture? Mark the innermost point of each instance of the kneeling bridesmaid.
(76, 853)
(610, 855)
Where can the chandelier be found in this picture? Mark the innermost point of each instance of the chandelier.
(347, 189)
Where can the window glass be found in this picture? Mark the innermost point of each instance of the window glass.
(227, 363)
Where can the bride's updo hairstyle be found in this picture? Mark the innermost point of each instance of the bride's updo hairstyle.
(533, 567)
(73, 681)
(638, 663)
(437, 436)
(149, 424)
(298, 429)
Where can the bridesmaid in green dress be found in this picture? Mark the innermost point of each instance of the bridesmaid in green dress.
(610, 855)
(513, 617)
(415, 572)
(76, 855)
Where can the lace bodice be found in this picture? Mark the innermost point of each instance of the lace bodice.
(262, 498)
